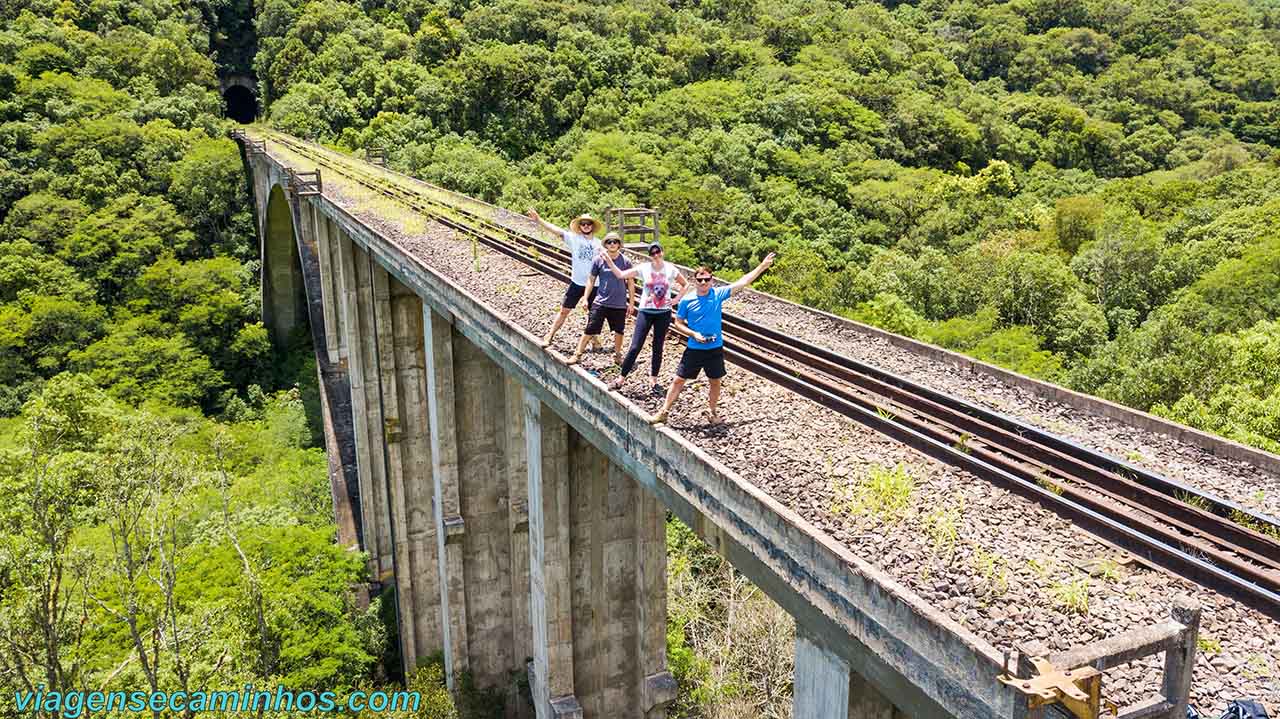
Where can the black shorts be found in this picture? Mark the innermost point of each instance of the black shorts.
(572, 294)
(616, 316)
(694, 361)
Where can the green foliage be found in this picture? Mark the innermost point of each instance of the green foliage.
(141, 359)
(884, 493)
(211, 510)
(1019, 349)
(728, 646)
(114, 176)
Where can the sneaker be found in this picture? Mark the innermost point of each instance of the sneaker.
(657, 391)
(617, 383)
(658, 418)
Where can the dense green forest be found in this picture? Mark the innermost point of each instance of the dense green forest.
(1082, 190)
(166, 519)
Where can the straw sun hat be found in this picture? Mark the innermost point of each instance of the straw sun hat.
(576, 224)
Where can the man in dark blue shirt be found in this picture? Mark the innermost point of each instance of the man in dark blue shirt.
(614, 301)
(698, 316)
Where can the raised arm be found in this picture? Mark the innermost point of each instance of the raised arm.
(745, 281)
(553, 229)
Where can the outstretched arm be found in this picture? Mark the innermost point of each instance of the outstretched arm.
(553, 229)
(745, 281)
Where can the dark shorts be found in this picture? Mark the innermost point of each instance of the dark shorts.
(615, 316)
(572, 294)
(694, 361)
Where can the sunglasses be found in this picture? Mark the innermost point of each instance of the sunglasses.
(702, 279)
(612, 242)
(654, 253)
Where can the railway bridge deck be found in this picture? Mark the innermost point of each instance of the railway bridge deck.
(516, 504)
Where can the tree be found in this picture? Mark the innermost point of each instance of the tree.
(141, 359)
(51, 490)
(1030, 288)
(1075, 221)
(207, 185)
(115, 243)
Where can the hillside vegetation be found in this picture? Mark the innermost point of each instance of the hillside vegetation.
(166, 520)
(1082, 190)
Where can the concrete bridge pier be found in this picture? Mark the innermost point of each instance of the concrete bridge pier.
(597, 567)
(826, 687)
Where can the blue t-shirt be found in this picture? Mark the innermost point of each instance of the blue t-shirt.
(611, 291)
(702, 314)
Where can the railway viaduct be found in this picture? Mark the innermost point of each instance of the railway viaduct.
(518, 509)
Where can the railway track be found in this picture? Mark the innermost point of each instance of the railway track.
(1205, 538)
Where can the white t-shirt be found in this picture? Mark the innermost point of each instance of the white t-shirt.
(656, 286)
(583, 250)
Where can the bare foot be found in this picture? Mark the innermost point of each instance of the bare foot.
(575, 359)
(546, 341)
(617, 383)
(712, 418)
(658, 418)
(617, 359)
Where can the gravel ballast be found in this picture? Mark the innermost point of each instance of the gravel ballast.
(1005, 567)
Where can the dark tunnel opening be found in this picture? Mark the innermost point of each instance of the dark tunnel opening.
(242, 106)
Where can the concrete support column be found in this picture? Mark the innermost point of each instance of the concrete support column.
(480, 421)
(826, 687)
(551, 674)
(366, 344)
(517, 472)
(821, 686)
(355, 322)
(324, 232)
(384, 359)
(409, 447)
(618, 559)
(657, 687)
(445, 503)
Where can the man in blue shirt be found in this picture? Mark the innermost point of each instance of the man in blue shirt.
(698, 316)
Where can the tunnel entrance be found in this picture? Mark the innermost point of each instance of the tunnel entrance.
(241, 104)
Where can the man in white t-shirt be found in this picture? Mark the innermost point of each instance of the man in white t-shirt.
(583, 248)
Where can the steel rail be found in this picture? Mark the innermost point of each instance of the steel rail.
(1253, 578)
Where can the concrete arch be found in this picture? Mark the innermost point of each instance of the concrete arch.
(284, 295)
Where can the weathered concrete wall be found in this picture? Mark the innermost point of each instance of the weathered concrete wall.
(284, 301)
